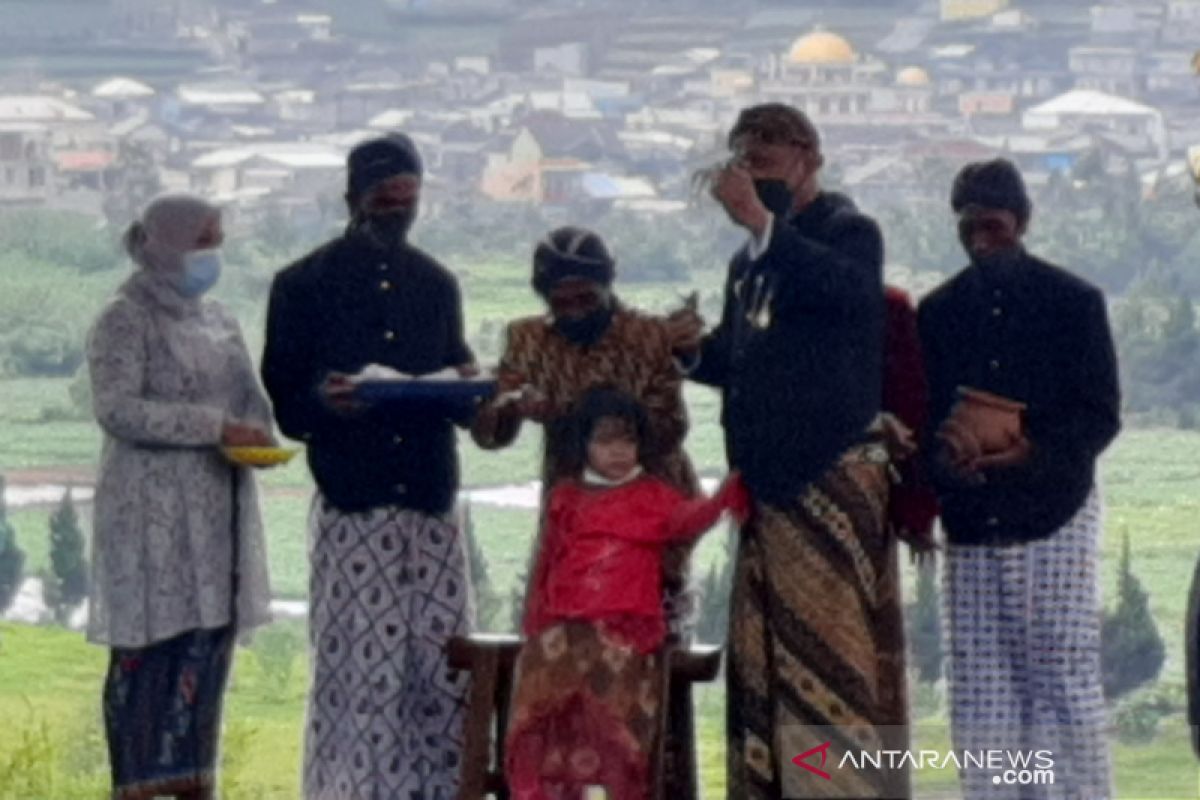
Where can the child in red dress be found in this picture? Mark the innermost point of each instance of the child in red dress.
(589, 687)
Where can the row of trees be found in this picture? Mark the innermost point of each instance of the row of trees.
(65, 583)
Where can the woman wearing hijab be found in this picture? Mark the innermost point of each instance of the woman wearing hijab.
(178, 558)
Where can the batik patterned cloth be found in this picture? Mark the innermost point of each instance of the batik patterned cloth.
(162, 714)
(389, 588)
(586, 712)
(816, 639)
(633, 356)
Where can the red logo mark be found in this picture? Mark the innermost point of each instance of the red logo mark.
(802, 760)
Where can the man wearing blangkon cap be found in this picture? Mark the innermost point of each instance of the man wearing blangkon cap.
(389, 580)
(815, 637)
(1023, 398)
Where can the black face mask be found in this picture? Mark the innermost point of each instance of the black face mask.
(390, 229)
(774, 195)
(1000, 263)
(585, 331)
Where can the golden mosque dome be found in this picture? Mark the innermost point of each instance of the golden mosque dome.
(821, 47)
(913, 77)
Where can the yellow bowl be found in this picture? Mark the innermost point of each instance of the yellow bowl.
(260, 456)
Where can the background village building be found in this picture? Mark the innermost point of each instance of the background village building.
(1114, 70)
(120, 97)
(1182, 25)
(1140, 128)
(823, 75)
(600, 104)
(26, 168)
(70, 127)
(295, 169)
(958, 10)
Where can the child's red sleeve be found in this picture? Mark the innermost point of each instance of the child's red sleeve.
(691, 518)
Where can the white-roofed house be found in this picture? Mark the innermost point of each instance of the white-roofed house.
(224, 99)
(357, 102)
(573, 105)
(70, 126)
(295, 105)
(1139, 127)
(391, 120)
(120, 88)
(656, 145)
(605, 187)
(299, 170)
(479, 65)
(119, 97)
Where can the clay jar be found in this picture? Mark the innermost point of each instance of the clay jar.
(993, 421)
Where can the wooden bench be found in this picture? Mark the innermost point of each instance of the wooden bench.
(491, 659)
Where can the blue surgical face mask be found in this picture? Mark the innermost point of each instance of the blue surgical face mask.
(201, 271)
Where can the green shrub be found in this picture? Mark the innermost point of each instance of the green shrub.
(926, 698)
(713, 622)
(62, 238)
(925, 625)
(276, 649)
(1138, 715)
(67, 586)
(12, 557)
(41, 350)
(1132, 650)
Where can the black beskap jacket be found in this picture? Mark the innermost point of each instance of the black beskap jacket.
(1037, 334)
(346, 305)
(798, 353)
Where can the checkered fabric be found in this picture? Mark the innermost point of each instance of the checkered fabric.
(1024, 670)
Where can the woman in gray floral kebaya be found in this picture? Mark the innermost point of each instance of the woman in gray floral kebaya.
(178, 558)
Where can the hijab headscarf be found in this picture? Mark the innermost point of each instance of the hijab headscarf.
(158, 242)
